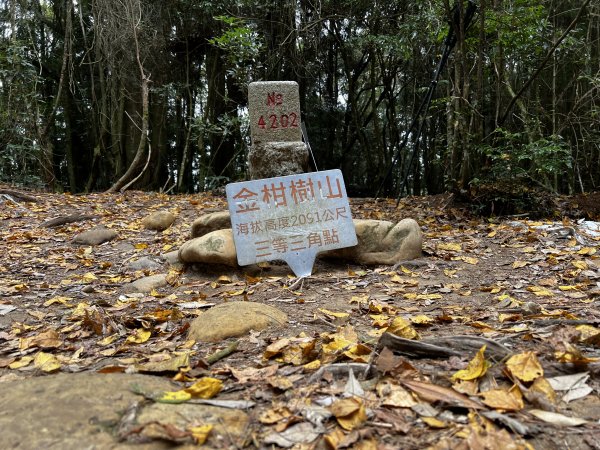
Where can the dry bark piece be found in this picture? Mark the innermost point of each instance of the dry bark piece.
(19, 195)
(63, 220)
(442, 347)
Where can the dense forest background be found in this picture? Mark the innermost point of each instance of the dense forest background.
(107, 94)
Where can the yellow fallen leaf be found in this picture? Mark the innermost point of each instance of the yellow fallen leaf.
(380, 320)
(89, 276)
(349, 412)
(469, 260)
(359, 299)
(571, 354)
(358, 353)
(422, 319)
(81, 310)
(22, 362)
(139, 336)
(313, 365)
(140, 246)
(476, 368)
(588, 334)
(434, 423)
(394, 395)
(450, 273)
(508, 400)
(568, 288)
(454, 247)
(274, 415)
(466, 387)
(47, 339)
(108, 340)
(280, 382)
(580, 265)
(540, 291)
(402, 328)
(519, 264)
(408, 271)
(236, 292)
(525, 366)
(175, 363)
(334, 438)
(414, 296)
(514, 303)
(480, 325)
(339, 315)
(206, 387)
(200, 433)
(62, 300)
(544, 387)
(174, 397)
(46, 362)
(513, 317)
(587, 251)
(276, 348)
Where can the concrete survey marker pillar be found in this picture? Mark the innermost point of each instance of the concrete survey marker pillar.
(275, 128)
(291, 218)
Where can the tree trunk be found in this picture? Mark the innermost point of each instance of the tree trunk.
(134, 167)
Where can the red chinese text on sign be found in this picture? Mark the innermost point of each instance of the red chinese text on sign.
(290, 218)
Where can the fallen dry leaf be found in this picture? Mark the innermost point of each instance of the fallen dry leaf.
(349, 412)
(433, 393)
(557, 419)
(525, 366)
(46, 362)
(477, 367)
(206, 387)
(504, 399)
(402, 328)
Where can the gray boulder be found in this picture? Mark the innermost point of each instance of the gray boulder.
(96, 236)
(382, 242)
(211, 222)
(159, 220)
(216, 247)
(234, 319)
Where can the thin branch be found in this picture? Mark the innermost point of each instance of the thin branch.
(543, 64)
(128, 185)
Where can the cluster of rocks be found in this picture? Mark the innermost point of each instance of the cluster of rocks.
(379, 242)
(211, 242)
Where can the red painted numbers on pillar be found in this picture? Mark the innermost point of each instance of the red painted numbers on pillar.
(282, 121)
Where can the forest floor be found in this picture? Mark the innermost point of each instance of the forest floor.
(507, 305)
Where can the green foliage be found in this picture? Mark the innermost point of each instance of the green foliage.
(512, 157)
(242, 46)
(18, 101)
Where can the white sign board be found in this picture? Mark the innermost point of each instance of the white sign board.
(290, 218)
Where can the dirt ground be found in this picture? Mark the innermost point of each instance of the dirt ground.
(67, 319)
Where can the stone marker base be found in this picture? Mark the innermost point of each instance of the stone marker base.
(277, 159)
(382, 242)
(379, 242)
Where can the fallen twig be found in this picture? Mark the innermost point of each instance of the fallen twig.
(67, 219)
(442, 347)
(222, 353)
(342, 368)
